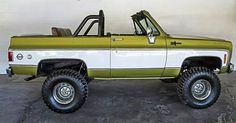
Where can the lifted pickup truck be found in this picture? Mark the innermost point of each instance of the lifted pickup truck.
(70, 61)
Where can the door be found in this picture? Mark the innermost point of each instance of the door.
(134, 56)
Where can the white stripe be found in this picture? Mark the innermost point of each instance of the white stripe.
(177, 56)
(118, 58)
(92, 58)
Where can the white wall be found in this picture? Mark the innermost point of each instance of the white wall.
(213, 18)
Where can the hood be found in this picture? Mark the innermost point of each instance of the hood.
(191, 37)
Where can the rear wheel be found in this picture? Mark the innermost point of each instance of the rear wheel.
(199, 87)
(64, 91)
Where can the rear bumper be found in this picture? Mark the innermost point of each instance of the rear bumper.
(9, 72)
(230, 68)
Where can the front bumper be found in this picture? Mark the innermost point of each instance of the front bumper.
(230, 68)
(9, 72)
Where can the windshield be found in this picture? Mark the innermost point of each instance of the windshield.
(146, 23)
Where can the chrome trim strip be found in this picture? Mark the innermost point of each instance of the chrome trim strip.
(123, 49)
(23, 65)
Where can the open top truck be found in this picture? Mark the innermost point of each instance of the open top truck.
(70, 61)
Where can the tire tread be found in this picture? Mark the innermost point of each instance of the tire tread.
(185, 78)
(76, 77)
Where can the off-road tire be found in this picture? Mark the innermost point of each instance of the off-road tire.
(75, 80)
(187, 80)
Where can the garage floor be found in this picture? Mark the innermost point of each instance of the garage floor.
(115, 101)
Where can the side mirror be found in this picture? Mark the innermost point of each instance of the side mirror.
(151, 37)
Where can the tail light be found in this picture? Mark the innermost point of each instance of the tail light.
(225, 58)
(10, 56)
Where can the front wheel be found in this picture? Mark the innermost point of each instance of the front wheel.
(64, 91)
(199, 87)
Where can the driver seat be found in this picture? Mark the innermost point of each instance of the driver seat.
(61, 32)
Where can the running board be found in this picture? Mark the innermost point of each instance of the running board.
(30, 78)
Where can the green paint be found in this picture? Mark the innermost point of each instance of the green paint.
(137, 42)
(49, 42)
(99, 73)
(199, 43)
(134, 78)
(171, 72)
(130, 73)
(24, 70)
(223, 70)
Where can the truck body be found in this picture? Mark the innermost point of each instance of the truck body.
(131, 57)
(149, 53)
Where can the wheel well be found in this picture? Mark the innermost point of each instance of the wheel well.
(46, 66)
(212, 63)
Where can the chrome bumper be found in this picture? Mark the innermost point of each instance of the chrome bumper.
(231, 68)
(9, 72)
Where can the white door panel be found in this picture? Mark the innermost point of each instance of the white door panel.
(138, 58)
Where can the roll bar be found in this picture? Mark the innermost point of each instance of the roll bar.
(99, 19)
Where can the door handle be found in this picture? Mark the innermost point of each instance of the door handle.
(175, 43)
(117, 39)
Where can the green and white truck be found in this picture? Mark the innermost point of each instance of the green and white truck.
(70, 61)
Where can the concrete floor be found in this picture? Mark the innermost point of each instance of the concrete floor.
(116, 101)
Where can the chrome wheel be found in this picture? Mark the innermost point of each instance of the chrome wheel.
(201, 89)
(63, 93)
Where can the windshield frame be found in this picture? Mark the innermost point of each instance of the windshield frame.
(145, 15)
